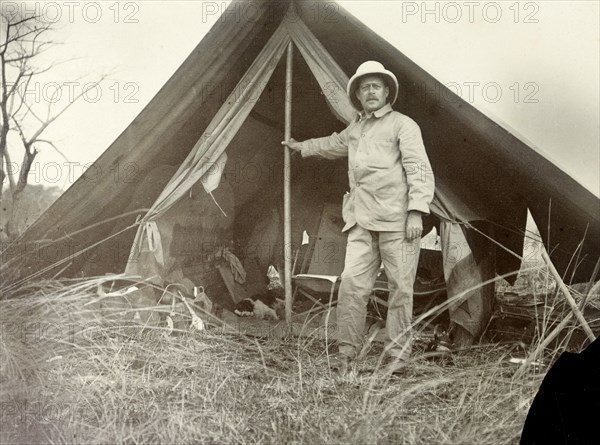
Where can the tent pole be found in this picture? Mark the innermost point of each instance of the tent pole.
(287, 172)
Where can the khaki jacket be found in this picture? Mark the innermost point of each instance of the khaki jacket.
(388, 169)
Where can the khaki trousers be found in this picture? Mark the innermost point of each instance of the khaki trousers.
(365, 252)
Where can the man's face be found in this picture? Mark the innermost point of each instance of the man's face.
(372, 93)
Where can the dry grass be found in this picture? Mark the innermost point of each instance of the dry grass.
(69, 376)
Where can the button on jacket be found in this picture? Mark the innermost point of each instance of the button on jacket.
(388, 169)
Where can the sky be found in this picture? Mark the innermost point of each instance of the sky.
(531, 66)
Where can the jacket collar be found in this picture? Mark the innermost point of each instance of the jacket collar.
(378, 113)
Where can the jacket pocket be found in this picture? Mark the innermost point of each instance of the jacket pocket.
(383, 154)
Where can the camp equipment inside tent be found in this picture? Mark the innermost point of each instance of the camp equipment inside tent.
(216, 126)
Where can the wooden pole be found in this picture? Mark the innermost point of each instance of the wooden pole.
(565, 321)
(568, 296)
(287, 180)
(545, 342)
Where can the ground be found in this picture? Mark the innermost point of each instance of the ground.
(69, 377)
(217, 388)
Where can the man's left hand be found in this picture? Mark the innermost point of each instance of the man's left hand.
(414, 225)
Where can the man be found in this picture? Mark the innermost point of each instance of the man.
(391, 186)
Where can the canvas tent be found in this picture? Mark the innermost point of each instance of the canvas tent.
(218, 122)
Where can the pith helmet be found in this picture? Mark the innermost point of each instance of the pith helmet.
(371, 67)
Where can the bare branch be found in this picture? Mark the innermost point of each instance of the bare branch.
(17, 38)
(19, 130)
(21, 58)
(47, 122)
(13, 96)
(4, 46)
(11, 25)
(60, 62)
(29, 110)
(9, 171)
(14, 85)
(26, 164)
(29, 107)
(20, 37)
(44, 141)
(26, 19)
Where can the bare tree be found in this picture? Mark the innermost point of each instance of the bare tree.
(23, 40)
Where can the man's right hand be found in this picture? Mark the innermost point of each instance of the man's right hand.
(293, 144)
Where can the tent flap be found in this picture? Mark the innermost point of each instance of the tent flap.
(215, 139)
